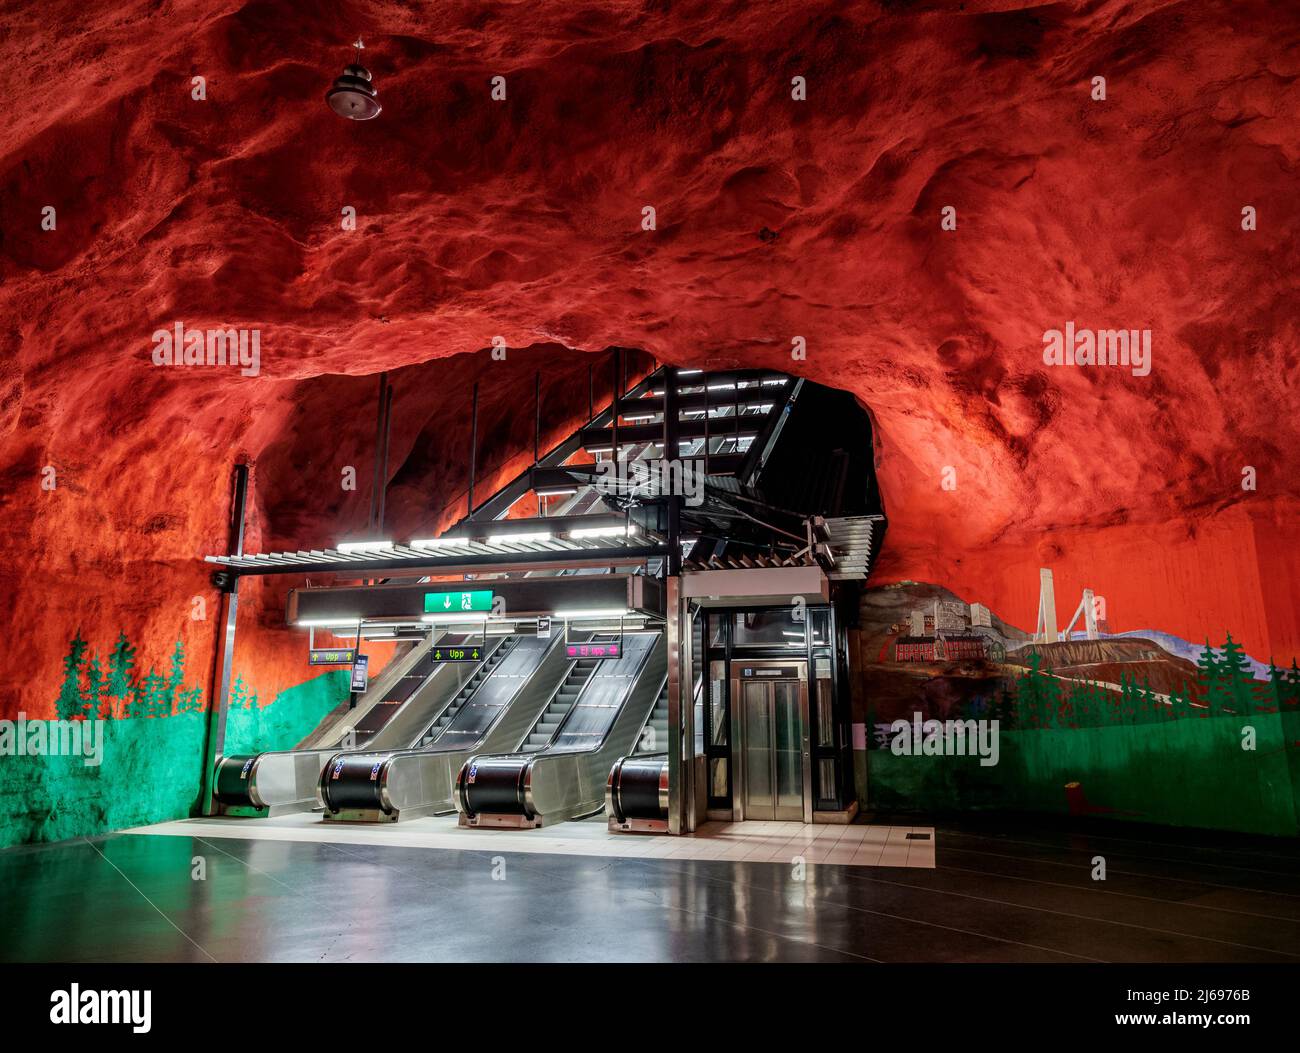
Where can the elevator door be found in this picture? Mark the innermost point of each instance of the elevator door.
(773, 743)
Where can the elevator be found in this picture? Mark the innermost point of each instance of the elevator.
(771, 713)
(770, 698)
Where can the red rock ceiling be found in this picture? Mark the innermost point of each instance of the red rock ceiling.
(776, 218)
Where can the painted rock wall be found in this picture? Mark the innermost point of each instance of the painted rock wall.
(782, 209)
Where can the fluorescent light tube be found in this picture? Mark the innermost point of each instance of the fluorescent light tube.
(363, 546)
(536, 535)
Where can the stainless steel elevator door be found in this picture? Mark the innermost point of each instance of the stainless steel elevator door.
(773, 739)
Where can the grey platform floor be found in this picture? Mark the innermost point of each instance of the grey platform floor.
(1000, 890)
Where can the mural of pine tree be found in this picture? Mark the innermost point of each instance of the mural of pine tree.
(154, 701)
(1150, 704)
(175, 677)
(1052, 705)
(239, 696)
(1238, 681)
(1276, 687)
(1029, 695)
(1217, 696)
(120, 663)
(70, 702)
(95, 699)
(1128, 700)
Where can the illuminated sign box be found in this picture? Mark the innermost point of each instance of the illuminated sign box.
(458, 602)
(594, 650)
(458, 654)
(331, 656)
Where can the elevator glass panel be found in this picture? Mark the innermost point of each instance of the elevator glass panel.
(787, 749)
(757, 702)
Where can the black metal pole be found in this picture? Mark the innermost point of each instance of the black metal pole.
(379, 439)
(706, 423)
(473, 449)
(537, 417)
(591, 392)
(613, 419)
(223, 660)
(673, 564)
(382, 479)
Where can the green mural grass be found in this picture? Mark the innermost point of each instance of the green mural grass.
(1180, 772)
(150, 768)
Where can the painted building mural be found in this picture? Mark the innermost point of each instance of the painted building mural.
(1142, 725)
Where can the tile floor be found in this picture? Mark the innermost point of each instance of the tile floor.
(857, 845)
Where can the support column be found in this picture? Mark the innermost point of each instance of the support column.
(686, 682)
(223, 664)
(677, 745)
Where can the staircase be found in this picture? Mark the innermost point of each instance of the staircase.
(466, 692)
(562, 701)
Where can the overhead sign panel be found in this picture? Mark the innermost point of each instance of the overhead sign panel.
(331, 656)
(595, 650)
(466, 653)
(458, 602)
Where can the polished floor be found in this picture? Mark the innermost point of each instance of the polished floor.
(999, 891)
(861, 844)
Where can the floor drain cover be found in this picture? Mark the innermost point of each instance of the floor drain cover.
(918, 837)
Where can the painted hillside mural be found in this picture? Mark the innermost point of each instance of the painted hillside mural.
(150, 723)
(1142, 726)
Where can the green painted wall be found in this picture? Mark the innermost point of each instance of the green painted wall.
(150, 769)
(1190, 772)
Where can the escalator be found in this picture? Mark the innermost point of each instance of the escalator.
(636, 791)
(558, 769)
(495, 708)
(396, 712)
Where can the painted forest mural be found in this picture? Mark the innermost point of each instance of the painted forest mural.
(113, 688)
(1140, 725)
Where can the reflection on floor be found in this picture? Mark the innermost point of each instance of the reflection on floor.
(754, 842)
(1001, 889)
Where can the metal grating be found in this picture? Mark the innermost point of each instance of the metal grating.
(847, 542)
(422, 556)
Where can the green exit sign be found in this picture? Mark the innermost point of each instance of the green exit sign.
(457, 602)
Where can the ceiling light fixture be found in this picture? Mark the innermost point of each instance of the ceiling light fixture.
(353, 96)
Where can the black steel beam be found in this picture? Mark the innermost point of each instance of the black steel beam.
(577, 474)
(630, 407)
(495, 562)
(718, 427)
